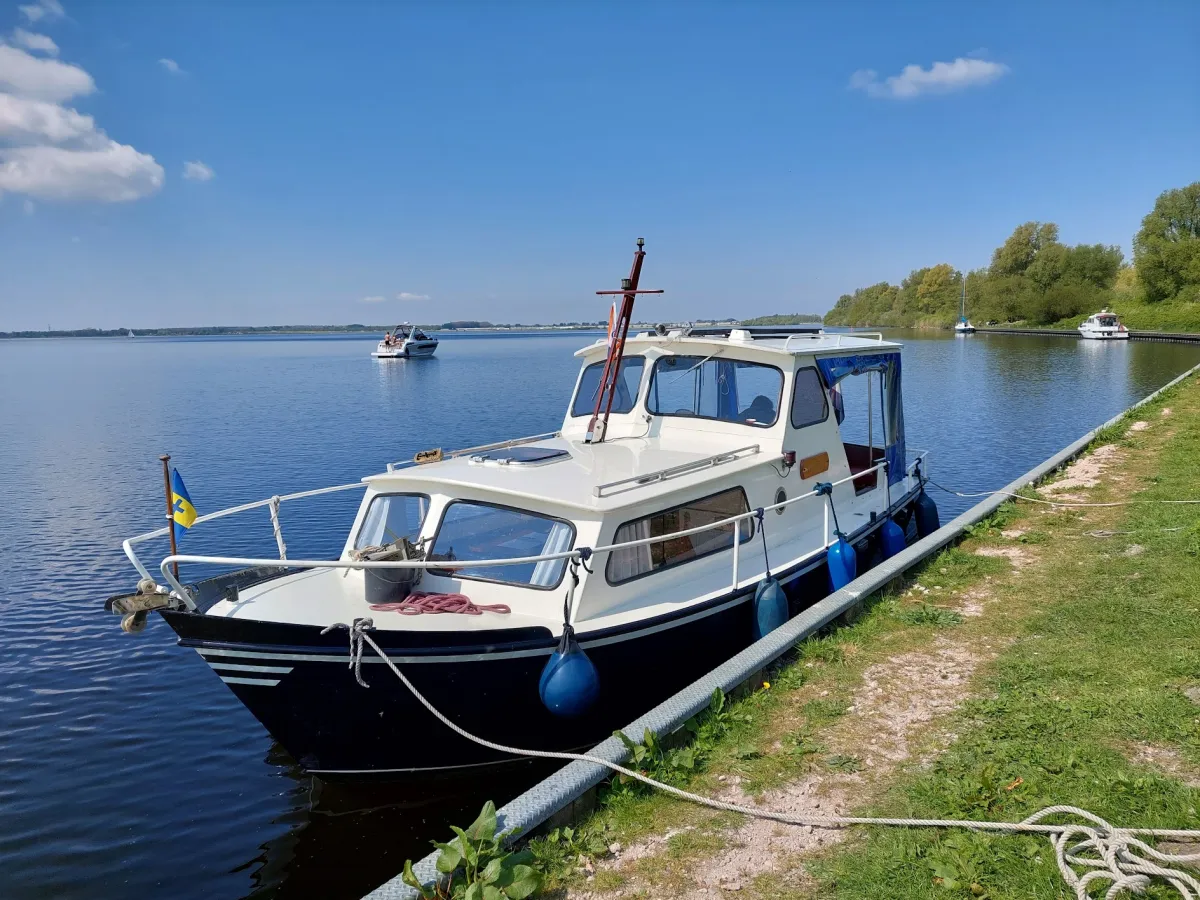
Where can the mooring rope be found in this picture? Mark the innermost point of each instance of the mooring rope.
(1050, 502)
(1102, 851)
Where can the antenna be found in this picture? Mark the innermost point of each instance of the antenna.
(616, 344)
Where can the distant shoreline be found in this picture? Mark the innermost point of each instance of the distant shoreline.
(366, 330)
(299, 330)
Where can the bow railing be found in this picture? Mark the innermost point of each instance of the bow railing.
(578, 553)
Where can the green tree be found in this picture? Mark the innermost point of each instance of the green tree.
(1166, 251)
(1017, 253)
(1093, 263)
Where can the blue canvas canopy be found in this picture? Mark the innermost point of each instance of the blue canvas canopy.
(835, 368)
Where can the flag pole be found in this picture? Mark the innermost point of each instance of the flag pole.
(166, 460)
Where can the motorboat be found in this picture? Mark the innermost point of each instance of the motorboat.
(693, 468)
(963, 325)
(1104, 326)
(405, 342)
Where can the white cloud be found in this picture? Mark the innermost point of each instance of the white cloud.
(940, 78)
(405, 295)
(28, 207)
(197, 171)
(43, 10)
(36, 120)
(51, 152)
(112, 173)
(374, 299)
(41, 79)
(39, 43)
(171, 66)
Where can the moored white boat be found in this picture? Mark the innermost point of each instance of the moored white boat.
(691, 464)
(963, 325)
(1104, 326)
(405, 342)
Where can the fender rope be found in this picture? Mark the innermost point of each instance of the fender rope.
(1102, 851)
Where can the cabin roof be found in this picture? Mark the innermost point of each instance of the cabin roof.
(569, 482)
(801, 342)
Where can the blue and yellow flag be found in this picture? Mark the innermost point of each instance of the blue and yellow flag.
(182, 511)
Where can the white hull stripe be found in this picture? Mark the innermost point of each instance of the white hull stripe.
(460, 657)
(265, 682)
(207, 652)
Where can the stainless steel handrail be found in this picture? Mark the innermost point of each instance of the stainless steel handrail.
(181, 591)
(716, 459)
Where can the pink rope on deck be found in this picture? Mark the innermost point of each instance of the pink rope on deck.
(418, 603)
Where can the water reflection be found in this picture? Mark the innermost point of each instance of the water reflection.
(126, 767)
(342, 839)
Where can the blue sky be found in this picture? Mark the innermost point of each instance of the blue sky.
(497, 160)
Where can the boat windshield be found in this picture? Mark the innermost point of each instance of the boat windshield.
(1107, 321)
(710, 388)
(629, 377)
(472, 530)
(391, 517)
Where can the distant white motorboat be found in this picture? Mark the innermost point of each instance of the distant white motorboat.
(405, 342)
(963, 325)
(1103, 326)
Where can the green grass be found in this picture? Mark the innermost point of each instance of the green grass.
(1097, 668)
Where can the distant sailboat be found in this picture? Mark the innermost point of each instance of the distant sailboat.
(131, 334)
(963, 325)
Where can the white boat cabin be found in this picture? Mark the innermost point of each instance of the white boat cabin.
(703, 427)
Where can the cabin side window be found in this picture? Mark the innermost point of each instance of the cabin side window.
(634, 562)
(629, 377)
(471, 530)
(390, 518)
(729, 390)
(810, 404)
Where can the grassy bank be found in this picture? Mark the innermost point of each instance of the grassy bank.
(1051, 657)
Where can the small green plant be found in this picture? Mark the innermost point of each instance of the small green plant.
(477, 867)
(926, 614)
(840, 763)
(821, 712)
(674, 765)
(558, 851)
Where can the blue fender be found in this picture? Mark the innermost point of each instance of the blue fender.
(891, 538)
(927, 515)
(570, 684)
(770, 607)
(843, 563)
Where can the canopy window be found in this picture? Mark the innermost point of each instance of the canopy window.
(472, 530)
(629, 378)
(882, 397)
(633, 562)
(728, 390)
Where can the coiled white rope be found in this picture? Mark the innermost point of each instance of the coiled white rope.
(1103, 852)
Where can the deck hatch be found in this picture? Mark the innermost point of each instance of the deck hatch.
(519, 456)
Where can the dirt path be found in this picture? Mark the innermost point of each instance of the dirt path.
(898, 715)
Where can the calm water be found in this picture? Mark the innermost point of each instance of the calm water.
(126, 768)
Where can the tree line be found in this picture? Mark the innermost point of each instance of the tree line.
(1035, 278)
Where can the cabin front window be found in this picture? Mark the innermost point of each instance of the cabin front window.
(471, 530)
(633, 562)
(810, 405)
(710, 388)
(390, 518)
(629, 377)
